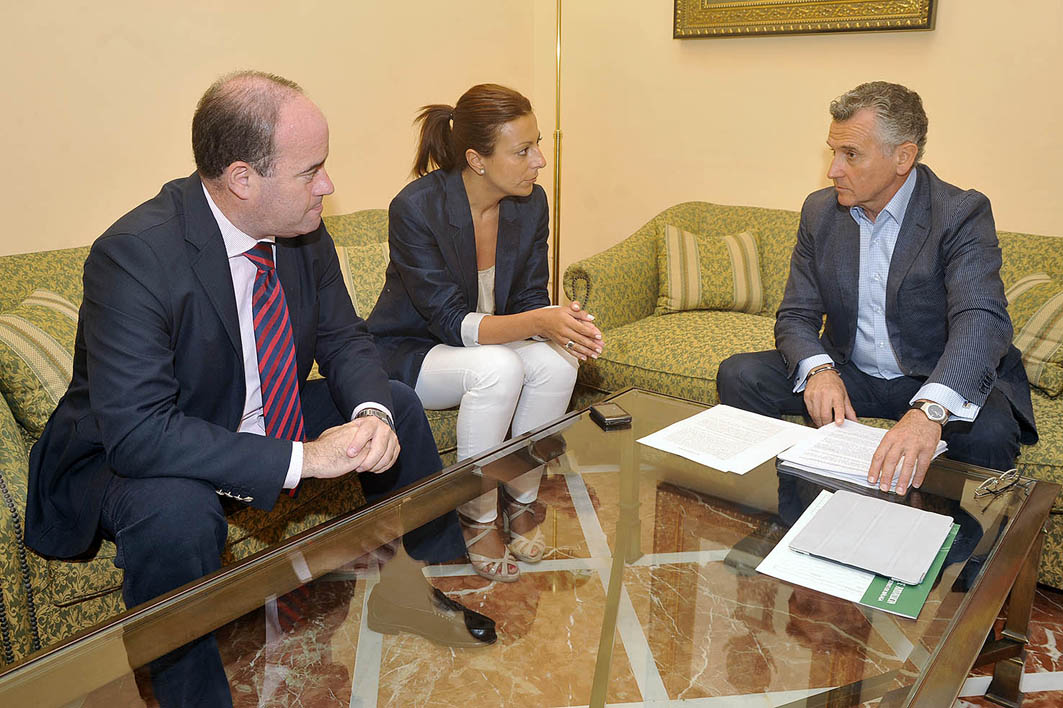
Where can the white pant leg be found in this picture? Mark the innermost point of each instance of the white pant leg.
(485, 382)
(549, 377)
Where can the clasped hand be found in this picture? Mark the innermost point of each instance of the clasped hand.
(571, 324)
(905, 451)
(363, 445)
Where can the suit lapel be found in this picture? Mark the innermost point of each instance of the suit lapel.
(910, 240)
(846, 250)
(506, 252)
(208, 259)
(288, 272)
(460, 248)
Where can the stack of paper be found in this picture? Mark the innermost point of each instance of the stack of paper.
(841, 451)
(848, 582)
(727, 439)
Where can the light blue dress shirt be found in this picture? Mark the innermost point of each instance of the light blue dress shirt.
(872, 352)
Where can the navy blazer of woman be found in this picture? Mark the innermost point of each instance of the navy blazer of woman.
(431, 282)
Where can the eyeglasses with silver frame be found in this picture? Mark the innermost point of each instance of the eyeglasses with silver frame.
(998, 484)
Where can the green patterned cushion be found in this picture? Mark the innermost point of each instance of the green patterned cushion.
(1035, 304)
(363, 270)
(37, 356)
(678, 354)
(699, 272)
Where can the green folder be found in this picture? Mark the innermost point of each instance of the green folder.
(907, 600)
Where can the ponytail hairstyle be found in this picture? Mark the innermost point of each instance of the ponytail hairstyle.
(477, 117)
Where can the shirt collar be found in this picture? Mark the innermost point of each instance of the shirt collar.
(236, 241)
(895, 207)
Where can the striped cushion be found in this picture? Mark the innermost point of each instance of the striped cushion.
(363, 269)
(700, 272)
(1035, 304)
(36, 356)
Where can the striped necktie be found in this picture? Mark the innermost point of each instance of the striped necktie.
(281, 409)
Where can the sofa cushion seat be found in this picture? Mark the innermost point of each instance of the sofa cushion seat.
(655, 353)
(74, 581)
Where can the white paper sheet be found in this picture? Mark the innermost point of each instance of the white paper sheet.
(727, 438)
(811, 572)
(841, 451)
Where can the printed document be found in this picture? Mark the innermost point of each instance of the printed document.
(840, 451)
(728, 439)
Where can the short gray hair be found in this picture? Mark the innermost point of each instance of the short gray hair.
(901, 118)
(235, 120)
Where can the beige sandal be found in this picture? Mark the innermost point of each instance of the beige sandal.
(486, 566)
(529, 550)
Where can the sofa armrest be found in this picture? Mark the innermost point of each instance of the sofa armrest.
(618, 285)
(19, 634)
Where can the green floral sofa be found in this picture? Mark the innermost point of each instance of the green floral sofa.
(679, 353)
(43, 601)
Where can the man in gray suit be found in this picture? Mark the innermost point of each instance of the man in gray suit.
(906, 270)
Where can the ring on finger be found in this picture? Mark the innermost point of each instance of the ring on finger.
(570, 345)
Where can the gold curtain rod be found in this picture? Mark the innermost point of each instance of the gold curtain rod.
(556, 284)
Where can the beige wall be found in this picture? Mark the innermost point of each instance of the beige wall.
(100, 94)
(650, 121)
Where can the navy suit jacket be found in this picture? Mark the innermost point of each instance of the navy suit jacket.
(158, 381)
(431, 281)
(945, 307)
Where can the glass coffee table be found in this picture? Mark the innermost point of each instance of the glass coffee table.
(647, 594)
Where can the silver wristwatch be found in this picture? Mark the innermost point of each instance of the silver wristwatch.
(376, 413)
(934, 411)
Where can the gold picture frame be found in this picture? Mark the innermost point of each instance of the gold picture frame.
(743, 18)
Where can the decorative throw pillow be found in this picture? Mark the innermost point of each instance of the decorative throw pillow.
(700, 272)
(363, 269)
(37, 356)
(1035, 304)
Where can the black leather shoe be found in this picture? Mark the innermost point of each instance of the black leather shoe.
(429, 613)
(480, 626)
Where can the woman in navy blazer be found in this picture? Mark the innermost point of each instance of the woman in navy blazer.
(464, 315)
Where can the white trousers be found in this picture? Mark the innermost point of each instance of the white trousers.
(499, 387)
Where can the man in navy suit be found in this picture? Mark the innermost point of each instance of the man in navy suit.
(906, 270)
(165, 412)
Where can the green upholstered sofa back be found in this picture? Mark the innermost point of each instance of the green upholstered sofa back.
(60, 270)
(633, 260)
(1025, 254)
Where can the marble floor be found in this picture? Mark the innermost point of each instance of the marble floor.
(547, 653)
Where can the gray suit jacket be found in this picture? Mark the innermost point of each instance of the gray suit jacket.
(945, 306)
